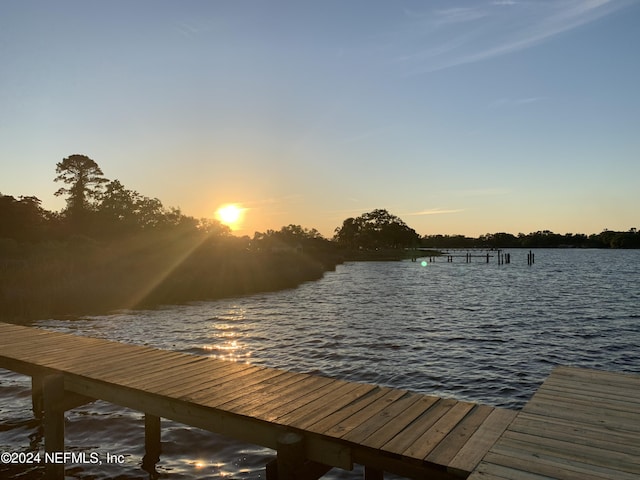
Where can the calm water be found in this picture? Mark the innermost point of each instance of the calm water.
(479, 332)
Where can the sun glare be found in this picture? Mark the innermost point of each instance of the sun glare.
(229, 215)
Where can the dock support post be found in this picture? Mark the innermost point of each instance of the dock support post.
(290, 455)
(36, 396)
(152, 446)
(290, 462)
(371, 473)
(53, 399)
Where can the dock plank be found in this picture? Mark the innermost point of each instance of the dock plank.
(386, 433)
(430, 439)
(580, 424)
(358, 418)
(316, 411)
(329, 422)
(384, 425)
(482, 439)
(455, 440)
(267, 391)
(411, 434)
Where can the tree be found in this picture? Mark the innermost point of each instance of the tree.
(376, 229)
(85, 180)
(22, 218)
(118, 204)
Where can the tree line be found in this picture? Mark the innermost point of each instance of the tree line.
(539, 239)
(99, 208)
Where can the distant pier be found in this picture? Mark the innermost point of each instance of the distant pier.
(485, 255)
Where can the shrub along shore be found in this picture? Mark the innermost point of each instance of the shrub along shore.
(81, 276)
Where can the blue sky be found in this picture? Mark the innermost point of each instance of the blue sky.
(461, 117)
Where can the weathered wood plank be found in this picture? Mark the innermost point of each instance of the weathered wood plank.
(158, 382)
(554, 467)
(396, 427)
(140, 374)
(432, 437)
(592, 376)
(455, 440)
(413, 432)
(491, 471)
(316, 410)
(358, 418)
(199, 367)
(553, 409)
(287, 399)
(211, 392)
(122, 366)
(563, 429)
(482, 440)
(383, 426)
(264, 392)
(324, 396)
(570, 450)
(613, 401)
(306, 397)
(262, 400)
(327, 423)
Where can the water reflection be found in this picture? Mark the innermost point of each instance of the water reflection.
(226, 341)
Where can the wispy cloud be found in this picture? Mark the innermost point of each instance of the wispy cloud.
(514, 102)
(459, 15)
(437, 39)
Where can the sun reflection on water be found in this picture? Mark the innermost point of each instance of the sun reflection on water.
(227, 337)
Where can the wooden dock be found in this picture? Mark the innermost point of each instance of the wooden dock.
(314, 423)
(580, 425)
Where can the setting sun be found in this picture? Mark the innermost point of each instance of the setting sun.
(229, 215)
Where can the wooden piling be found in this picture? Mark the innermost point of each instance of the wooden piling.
(53, 399)
(152, 445)
(530, 258)
(290, 456)
(37, 404)
(371, 473)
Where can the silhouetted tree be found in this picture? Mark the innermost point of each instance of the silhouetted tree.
(118, 209)
(499, 240)
(291, 236)
(376, 229)
(85, 180)
(22, 218)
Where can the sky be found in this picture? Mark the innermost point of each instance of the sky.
(460, 117)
